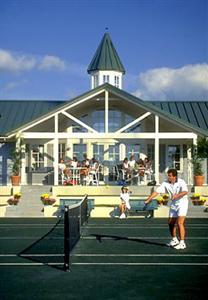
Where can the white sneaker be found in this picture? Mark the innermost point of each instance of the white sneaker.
(173, 243)
(122, 216)
(180, 246)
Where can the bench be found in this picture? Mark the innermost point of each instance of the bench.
(139, 207)
(70, 202)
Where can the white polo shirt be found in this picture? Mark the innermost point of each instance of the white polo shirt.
(172, 189)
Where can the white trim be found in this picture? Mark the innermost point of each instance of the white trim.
(55, 151)
(106, 111)
(78, 121)
(134, 122)
(57, 112)
(111, 135)
(157, 151)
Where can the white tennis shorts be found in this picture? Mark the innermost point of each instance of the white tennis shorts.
(179, 209)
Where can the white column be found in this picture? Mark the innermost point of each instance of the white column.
(122, 151)
(157, 149)
(55, 152)
(106, 111)
(23, 165)
(190, 169)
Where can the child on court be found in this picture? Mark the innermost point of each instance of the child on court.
(124, 196)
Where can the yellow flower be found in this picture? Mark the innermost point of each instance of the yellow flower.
(195, 195)
(203, 199)
(44, 196)
(17, 195)
(159, 199)
(165, 196)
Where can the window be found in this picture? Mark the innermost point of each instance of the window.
(37, 157)
(174, 155)
(106, 78)
(114, 153)
(116, 81)
(98, 119)
(79, 150)
(95, 77)
(98, 152)
(133, 149)
(62, 151)
(115, 120)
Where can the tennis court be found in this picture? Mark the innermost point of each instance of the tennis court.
(114, 259)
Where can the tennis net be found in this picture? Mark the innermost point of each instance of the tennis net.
(74, 217)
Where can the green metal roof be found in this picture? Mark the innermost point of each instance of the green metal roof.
(192, 112)
(189, 114)
(14, 114)
(106, 57)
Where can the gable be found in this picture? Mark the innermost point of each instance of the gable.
(185, 115)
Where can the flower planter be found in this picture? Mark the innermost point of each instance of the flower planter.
(198, 202)
(48, 201)
(15, 180)
(13, 201)
(198, 180)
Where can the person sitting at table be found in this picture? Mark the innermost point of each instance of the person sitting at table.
(86, 161)
(74, 163)
(93, 171)
(61, 165)
(126, 168)
(84, 172)
(148, 168)
(63, 170)
(140, 169)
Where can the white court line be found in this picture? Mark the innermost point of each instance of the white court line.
(29, 238)
(32, 225)
(101, 237)
(106, 264)
(141, 264)
(142, 227)
(28, 255)
(138, 255)
(111, 237)
(106, 255)
(31, 264)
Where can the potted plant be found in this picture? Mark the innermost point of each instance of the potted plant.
(47, 199)
(199, 152)
(14, 200)
(16, 159)
(197, 170)
(197, 199)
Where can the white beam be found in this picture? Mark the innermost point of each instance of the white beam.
(157, 154)
(111, 135)
(134, 122)
(106, 111)
(55, 152)
(58, 111)
(78, 121)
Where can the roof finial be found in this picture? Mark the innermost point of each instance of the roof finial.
(106, 28)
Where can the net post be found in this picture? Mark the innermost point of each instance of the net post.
(66, 239)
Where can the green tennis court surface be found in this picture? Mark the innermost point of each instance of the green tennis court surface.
(114, 259)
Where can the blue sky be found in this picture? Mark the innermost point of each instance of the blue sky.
(46, 46)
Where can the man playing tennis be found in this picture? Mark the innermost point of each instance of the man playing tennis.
(177, 190)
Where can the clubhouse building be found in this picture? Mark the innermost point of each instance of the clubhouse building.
(105, 122)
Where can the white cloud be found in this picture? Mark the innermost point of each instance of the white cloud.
(13, 85)
(15, 63)
(50, 62)
(187, 83)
